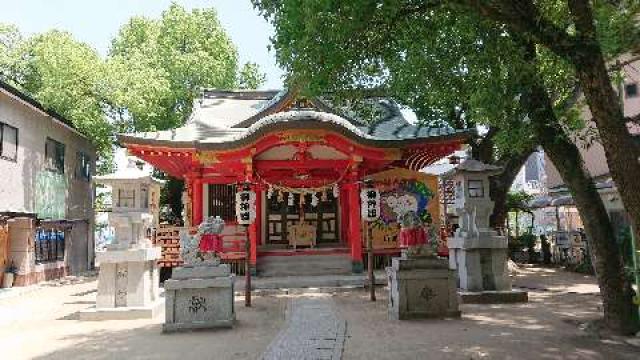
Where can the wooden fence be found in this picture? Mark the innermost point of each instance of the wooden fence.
(233, 253)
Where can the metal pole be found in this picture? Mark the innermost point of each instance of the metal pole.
(372, 277)
(247, 269)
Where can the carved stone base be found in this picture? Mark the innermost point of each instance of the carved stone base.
(127, 285)
(421, 287)
(481, 262)
(199, 297)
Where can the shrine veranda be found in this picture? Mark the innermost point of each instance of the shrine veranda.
(306, 161)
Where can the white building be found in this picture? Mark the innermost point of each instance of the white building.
(46, 190)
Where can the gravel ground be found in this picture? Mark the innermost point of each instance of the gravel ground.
(42, 324)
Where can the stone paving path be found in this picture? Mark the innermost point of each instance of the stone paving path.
(314, 331)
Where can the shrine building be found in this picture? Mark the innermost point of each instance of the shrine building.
(306, 161)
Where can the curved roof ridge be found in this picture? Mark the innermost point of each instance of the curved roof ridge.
(266, 107)
(311, 115)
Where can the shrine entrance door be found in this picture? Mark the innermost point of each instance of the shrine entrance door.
(281, 218)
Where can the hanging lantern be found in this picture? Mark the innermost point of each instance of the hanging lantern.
(270, 192)
(303, 199)
(245, 206)
(314, 200)
(370, 202)
(290, 200)
(336, 191)
(280, 197)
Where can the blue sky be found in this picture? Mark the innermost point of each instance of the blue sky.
(97, 22)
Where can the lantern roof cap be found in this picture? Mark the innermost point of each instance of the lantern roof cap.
(474, 166)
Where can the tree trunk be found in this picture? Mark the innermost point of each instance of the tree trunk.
(620, 315)
(620, 148)
(500, 186)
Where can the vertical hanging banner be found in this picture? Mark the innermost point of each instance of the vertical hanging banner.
(370, 203)
(245, 207)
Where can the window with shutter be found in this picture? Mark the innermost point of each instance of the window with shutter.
(54, 155)
(8, 142)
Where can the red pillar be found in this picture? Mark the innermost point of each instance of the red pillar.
(344, 217)
(197, 205)
(355, 227)
(254, 229)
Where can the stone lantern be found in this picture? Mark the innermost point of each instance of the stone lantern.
(476, 251)
(128, 279)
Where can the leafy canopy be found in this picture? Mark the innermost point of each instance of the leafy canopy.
(448, 64)
(158, 66)
(65, 76)
(154, 70)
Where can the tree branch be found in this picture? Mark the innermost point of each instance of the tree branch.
(483, 150)
(524, 17)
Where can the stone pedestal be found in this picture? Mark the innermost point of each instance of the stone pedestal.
(199, 297)
(480, 260)
(127, 285)
(421, 287)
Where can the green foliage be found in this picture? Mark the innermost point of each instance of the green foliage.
(171, 195)
(528, 240)
(155, 69)
(10, 38)
(449, 67)
(64, 75)
(448, 64)
(250, 77)
(518, 201)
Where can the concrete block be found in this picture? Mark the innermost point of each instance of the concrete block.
(200, 272)
(200, 302)
(127, 285)
(421, 288)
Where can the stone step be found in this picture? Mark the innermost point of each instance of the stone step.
(303, 265)
(344, 281)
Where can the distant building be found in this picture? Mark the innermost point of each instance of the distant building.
(595, 159)
(46, 191)
(531, 178)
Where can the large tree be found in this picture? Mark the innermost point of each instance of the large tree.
(153, 72)
(159, 66)
(456, 68)
(63, 74)
(148, 81)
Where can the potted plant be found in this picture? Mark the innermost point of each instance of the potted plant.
(9, 274)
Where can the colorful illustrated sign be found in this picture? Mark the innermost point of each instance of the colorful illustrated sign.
(397, 197)
(400, 197)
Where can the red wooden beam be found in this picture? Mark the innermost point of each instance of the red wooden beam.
(300, 164)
